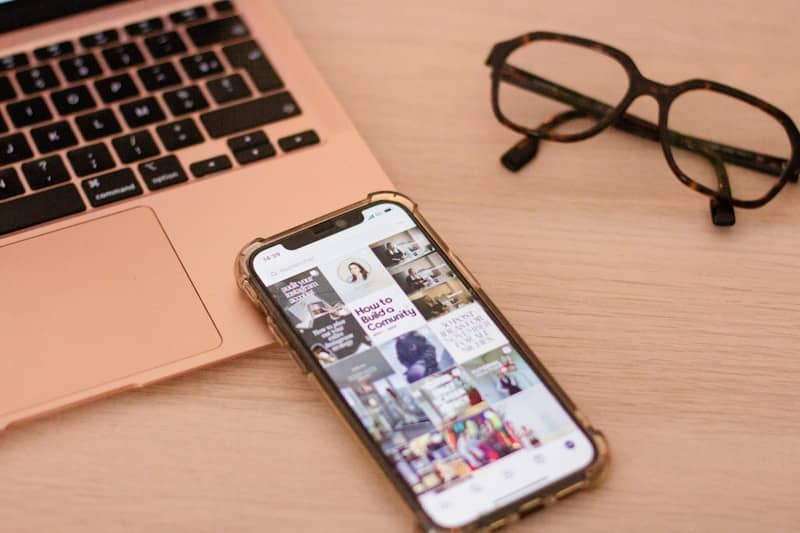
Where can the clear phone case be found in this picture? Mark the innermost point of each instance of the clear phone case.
(281, 329)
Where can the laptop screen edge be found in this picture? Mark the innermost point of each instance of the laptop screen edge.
(15, 14)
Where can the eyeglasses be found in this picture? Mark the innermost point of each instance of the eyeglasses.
(719, 141)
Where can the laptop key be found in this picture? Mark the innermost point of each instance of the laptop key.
(160, 173)
(116, 88)
(248, 140)
(53, 137)
(101, 38)
(217, 31)
(80, 67)
(90, 159)
(14, 148)
(298, 140)
(7, 91)
(180, 134)
(165, 45)
(210, 166)
(13, 61)
(256, 153)
(186, 100)
(145, 26)
(123, 56)
(10, 185)
(37, 79)
(29, 112)
(184, 16)
(249, 56)
(223, 6)
(135, 146)
(72, 100)
(41, 207)
(201, 65)
(142, 112)
(45, 172)
(111, 187)
(248, 115)
(54, 50)
(159, 76)
(228, 88)
(98, 124)
(3, 125)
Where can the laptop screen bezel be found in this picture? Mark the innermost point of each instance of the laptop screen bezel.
(23, 13)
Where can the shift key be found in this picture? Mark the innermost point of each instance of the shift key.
(250, 115)
(50, 204)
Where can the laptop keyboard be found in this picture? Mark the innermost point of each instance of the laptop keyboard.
(96, 120)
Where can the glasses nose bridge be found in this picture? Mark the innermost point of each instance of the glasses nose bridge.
(655, 90)
(646, 87)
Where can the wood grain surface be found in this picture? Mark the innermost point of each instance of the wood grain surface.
(678, 338)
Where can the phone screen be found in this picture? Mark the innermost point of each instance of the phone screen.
(444, 393)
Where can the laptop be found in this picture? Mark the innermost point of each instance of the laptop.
(142, 143)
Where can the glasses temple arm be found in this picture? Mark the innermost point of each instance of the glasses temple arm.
(721, 206)
(638, 126)
(526, 148)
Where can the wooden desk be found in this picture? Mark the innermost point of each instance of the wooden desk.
(678, 338)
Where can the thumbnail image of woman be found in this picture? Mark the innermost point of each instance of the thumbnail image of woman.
(322, 355)
(414, 281)
(528, 437)
(507, 384)
(357, 272)
(430, 307)
(393, 254)
(416, 354)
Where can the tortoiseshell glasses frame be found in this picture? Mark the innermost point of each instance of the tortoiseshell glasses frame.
(718, 154)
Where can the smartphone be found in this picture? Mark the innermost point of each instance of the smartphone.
(448, 399)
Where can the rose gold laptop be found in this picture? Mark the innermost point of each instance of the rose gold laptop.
(141, 143)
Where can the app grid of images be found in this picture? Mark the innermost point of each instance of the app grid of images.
(425, 369)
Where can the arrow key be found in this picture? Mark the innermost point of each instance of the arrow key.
(255, 153)
(298, 140)
(210, 166)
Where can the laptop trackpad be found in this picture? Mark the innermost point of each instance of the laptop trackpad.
(91, 304)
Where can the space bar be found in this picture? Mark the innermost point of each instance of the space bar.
(240, 117)
(40, 207)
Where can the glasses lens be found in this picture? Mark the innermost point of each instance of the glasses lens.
(543, 79)
(756, 139)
